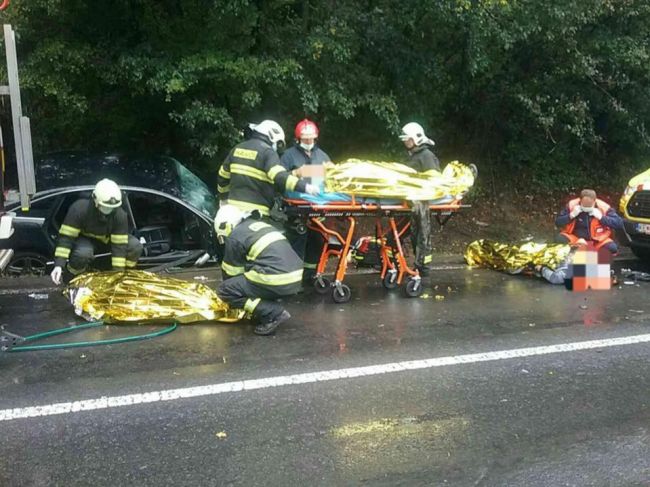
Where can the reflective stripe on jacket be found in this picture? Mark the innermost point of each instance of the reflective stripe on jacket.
(251, 175)
(265, 257)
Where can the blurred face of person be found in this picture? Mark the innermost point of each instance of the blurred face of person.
(409, 144)
(307, 143)
(587, 204)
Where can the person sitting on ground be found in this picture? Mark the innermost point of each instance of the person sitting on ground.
(588, 219)
(259, 266)
(96, 226)
(558, 274)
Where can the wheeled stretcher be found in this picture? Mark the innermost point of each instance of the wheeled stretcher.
(336, 222)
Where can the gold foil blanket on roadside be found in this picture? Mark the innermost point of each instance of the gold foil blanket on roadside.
(143, 297)
(514, 258)
(394, 180)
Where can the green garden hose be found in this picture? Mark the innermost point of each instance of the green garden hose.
(9, 337)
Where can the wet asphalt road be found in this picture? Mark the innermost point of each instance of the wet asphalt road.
(575, 418)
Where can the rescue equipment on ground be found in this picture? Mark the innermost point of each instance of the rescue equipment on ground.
(143, 297)
(635, 275)
(512, 258)
(366, 252)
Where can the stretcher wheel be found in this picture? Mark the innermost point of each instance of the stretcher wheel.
(390, 280)
(413, 288)
(341, 294)
(322, 285)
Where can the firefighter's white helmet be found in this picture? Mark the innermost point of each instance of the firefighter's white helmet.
(107, 195)
(414, 130)
(272, 130)
(228, 217)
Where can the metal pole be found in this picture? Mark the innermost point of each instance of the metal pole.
(2, 173)
(22, 141)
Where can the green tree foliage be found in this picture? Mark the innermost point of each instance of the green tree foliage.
(543, 90)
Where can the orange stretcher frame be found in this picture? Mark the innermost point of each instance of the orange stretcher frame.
(339, 243)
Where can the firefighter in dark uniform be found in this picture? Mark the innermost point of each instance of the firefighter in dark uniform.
(252, 172)
(305, 152)
(96, 226)
(424, 161)
(259, 266)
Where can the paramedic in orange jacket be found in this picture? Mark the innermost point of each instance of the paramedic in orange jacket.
(588, 219)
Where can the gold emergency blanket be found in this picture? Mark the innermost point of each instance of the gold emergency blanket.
(394, 180)
(514, 258)
(139, 297)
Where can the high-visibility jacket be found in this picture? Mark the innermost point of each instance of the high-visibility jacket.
(83, 218)
(251, 174)
(599, 233)
(264, 256)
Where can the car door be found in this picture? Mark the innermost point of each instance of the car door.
(32, 243)
(32, 232)
(169, 230)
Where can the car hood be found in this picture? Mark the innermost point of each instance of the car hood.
(643, 178)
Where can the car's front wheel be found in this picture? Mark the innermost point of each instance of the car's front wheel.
(25, 263)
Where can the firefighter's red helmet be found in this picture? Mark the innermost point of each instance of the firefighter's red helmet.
(306, 129)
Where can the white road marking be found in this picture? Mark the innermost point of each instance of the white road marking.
(40, 290)
(307, 378)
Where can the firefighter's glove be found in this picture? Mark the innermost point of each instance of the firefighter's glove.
(312, 190)
(56, 275)
(575, 212)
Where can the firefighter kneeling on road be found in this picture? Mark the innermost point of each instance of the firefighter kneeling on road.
(259, 266)
(100, 225)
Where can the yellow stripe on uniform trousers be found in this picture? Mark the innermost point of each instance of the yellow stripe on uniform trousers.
(275, 170)
(310, 266)
(251, 172)
(69, 231)
(262, 243)
(118, 261)
(119, 239)
(131, 263)
(428, 259)
(243, 205)
(251, 304)
(232, 270)
(223, 189)
(274, 279)
(62, 252)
